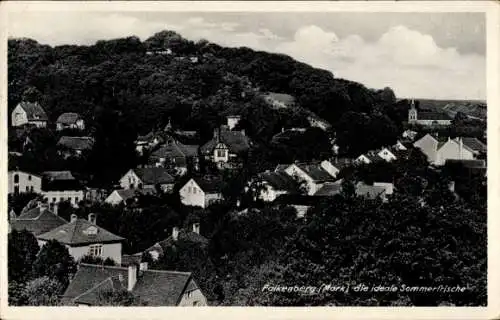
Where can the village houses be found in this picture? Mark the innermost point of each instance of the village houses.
(313, 174)
(20, 182)
(427, 118)
(125, 196)
(74, 146)
(459, 148)
(29, 113)
(227, 147)
(271, 185)
(37, 220)
(176, 155)
(70, 120)
(59, 186)
(201, 192)
(84, 237)
(152, 287)
(144, 178)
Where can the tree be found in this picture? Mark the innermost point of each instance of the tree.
(43, 291)
(55, 262)
(22, 251)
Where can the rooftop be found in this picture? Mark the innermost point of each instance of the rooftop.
(38, 220)
(154, 287)
(34, 111)
(80, 232)
(68, 118)
(154, 175)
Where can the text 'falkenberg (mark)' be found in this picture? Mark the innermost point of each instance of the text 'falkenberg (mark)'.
(361, 288)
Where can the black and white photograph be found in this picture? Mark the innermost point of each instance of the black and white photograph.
(214, 158)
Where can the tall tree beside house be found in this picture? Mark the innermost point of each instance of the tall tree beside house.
(22, 252)
(55, 262)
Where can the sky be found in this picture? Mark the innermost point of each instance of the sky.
(421, 55)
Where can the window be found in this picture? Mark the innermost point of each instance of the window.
(27, 189)
(16, 178)
(61, 199)
(221, 153)
(189, 189)
(95, 250)
(29, 177)
(77, 199)
(32, 189)
(16, 189)
(54, 199)
(194, 190)
(69, 199)
(195, 303)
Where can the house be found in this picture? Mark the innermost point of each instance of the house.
(279, 100)
(20, 181)
(29, 113)
(202, 191)
(438, 152)
(409, 134)
(176, 155)
(315, 121)
(367, 158)
(226, 148)
(126, 195)
(59, 186)
(154, 288)
(388, 186)
(314, 174)
(273, 184)
(329, 189)
(38, 220)
(427, 118)
(371, 191)
(160, 248)
(84, 237)
(143, 178)
(148, 141)
(386, 154)
(70, 120)
(74, 146)
(474, 144)
(399, 146)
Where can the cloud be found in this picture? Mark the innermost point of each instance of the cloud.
(406, 60)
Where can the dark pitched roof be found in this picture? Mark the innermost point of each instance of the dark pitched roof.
(76, 143)
(315, 171)
(431, 115)
(236, 141)
(77, 233)
(154, 287)
(154, 175)
(329, 189)
(37, 221)
(341, 163)
(34, 111)
(68, 118)
(60, 181)
(368, 191)
(126, 194)
(474, 144)
(211, 184)
(58, 175)
(184, 235)
(176, 150)
(279, 181)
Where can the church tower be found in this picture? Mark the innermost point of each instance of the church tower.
(412, 113)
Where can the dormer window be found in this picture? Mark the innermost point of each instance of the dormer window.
(90, 231)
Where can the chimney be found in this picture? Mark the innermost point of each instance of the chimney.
(175, 233)
(73, 217)
(196, 227)
(132, 276)
(92, 218)
(451, 186)
(143, 266)
(216, 134)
